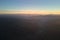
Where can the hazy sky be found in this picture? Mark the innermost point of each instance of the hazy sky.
(30, 6)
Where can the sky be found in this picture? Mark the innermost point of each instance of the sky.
(30, 6)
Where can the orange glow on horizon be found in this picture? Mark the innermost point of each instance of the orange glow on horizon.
(30, 12)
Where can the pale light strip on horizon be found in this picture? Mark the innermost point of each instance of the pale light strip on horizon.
(30, 12)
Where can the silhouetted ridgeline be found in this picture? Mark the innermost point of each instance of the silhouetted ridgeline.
(23, 27)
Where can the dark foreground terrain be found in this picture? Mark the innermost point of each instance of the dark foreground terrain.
(21, 27)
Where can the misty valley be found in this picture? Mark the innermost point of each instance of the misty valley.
(29, 27)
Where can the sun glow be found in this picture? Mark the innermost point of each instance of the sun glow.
(30, 12)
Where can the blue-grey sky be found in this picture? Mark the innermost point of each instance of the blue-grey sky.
(50, 5)
(30, 4)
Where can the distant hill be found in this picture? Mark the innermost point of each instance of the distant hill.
(27, 27)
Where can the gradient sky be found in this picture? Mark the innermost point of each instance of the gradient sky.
(30, 6)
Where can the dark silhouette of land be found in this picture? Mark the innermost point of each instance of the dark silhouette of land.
(27, 27)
